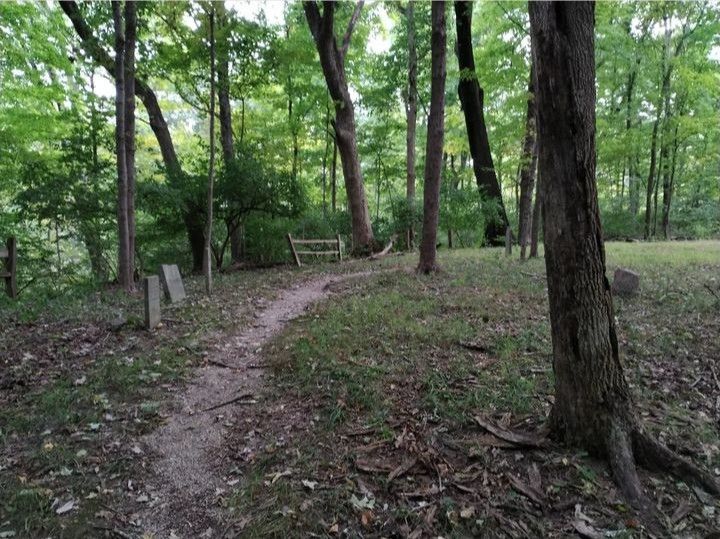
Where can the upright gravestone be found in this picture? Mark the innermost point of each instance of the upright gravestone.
(625, 282)
(172, 282)
(152, 301)
(508, 241)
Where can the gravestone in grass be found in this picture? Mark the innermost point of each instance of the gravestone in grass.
(152, 301)
(172, 282)
(625, 282)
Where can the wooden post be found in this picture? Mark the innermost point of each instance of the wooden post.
(11, 268)
(292, 249)
(508, 241)
(339, 247)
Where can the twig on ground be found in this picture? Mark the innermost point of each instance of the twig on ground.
(234, 400)
(517, 438)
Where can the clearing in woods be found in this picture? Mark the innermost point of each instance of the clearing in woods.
(365, 421)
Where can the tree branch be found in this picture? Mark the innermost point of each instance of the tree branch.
(312, 14)
(351, 27)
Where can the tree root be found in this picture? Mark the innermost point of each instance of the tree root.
(629, 444)
(655, 456)
(621, 458)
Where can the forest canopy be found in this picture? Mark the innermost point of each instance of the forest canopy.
(282, 166)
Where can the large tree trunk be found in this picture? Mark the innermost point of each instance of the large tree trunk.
(527, 169)
(129, 67)
(471, 97)
(434, 147)
(124, 268)
(593, 407)
(332, 60)
(411, 113)
(192, 212)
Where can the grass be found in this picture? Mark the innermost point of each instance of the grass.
(393, 366)
(77, 395)
(387, 356)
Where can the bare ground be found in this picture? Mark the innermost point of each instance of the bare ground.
(186, 483)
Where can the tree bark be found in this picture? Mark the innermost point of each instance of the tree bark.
(668, 186)
(332, 60)
(527, 169)
(411, 114)
(434, 147)
(211, 167)
(471, 97)
(129, 68)
(333, 178)
(124, 269)
(593, 406)
(536, 213)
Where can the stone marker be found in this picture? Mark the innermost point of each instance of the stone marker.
(172, 282)
(508, 241)
(152, 301)
(625, 282)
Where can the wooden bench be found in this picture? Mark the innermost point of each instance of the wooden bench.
(335, 251)
(9, 271)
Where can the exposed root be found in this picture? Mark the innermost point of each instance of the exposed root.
(655, 456)
(624, 470)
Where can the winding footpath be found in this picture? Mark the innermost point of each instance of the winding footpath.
(185, 481)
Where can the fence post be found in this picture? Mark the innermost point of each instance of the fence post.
(292, 249)
(11, 268)
(339, 247)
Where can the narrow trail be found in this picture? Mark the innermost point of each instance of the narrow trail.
(185, 481)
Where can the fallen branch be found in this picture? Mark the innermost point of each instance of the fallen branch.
(221, 364)
(717, 296)
(385, 251)
(474, 347)
(233, 401)
(517, 438)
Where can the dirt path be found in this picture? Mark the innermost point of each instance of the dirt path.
(183, 490)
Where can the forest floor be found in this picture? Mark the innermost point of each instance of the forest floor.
(364, 416)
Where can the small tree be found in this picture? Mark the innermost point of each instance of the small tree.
(434, 147)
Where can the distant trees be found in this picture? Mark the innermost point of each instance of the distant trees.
(332, 60)
(434, 146)
(125, 26)
(472, 100)
(410, 96)
(528, 165)
(593, 405)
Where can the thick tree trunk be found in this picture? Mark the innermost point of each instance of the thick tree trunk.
(332, 60)
(124, 270)
(434, 147)
(527, 169)
(471, 98)
(129, 68)
(411, 114)
(593, 407)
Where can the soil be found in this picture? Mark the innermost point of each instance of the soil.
(185, 484)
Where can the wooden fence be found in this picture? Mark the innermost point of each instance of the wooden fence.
(9, 270)
(335, 251)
